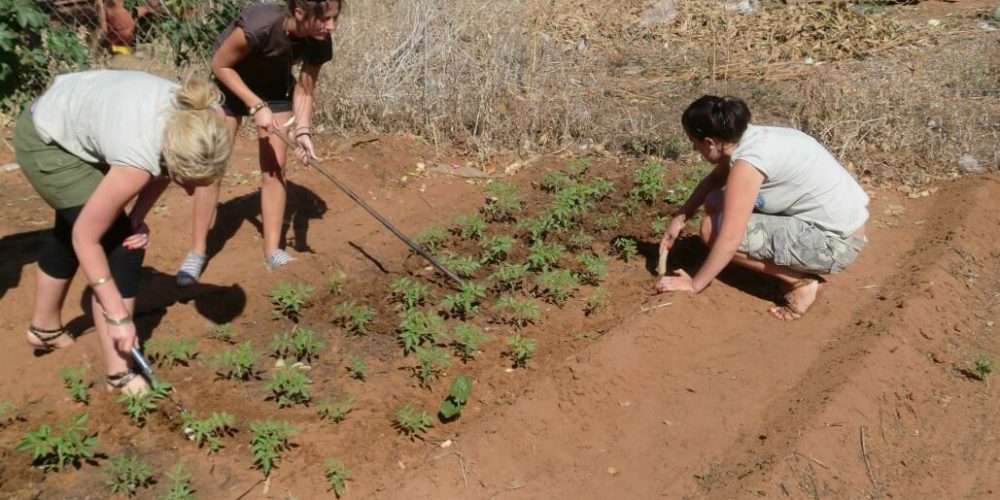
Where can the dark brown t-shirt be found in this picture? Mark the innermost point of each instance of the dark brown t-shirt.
(273, 52)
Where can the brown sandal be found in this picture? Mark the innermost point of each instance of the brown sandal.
(47, 337)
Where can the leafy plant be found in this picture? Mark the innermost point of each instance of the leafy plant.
(627, 248)
(659, 225)
(461, 389)
(578, 167)
(647, 182)
(469, 227)
(53, 451)
(595, 268)
(288, 301)
(73, 378)
(408, 292)
(568, 204)
(464, 266)
(139, 405)
(983, 367)
(172, 351)
(599, 188)
(336, 284)
(598, 300)
(496, 248)
(509, 276)
(411, 421)
(521, 349)
(300, 344)
(466, 338)
(7, 412)
(432, 238)
(465, 302)
(267, 440)
(418, 327)
(180, 484)
(557, 180)
(686, 185)
(289, 385)
(503, 201)
(335, 412)
(358, 368)
(223, 332)
(537, 227)
(579, 240)
(126, 474)
(522, 312)
(557, 285)
(336, 476)
(238, 362)
(608, 222)
(356, 318)
(432, 361)
(544, 256)
(209, 431)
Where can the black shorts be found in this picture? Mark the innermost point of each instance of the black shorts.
(276, 93)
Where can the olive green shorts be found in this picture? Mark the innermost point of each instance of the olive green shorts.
(61, 179)
(797, 244)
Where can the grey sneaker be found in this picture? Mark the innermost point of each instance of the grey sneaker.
(191, 269)
(277, 259)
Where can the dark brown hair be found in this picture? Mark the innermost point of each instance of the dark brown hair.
(310, 7)
(724, 118)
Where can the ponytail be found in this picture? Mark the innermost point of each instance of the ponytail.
(724, 118)
(312, 8)
(196, 141)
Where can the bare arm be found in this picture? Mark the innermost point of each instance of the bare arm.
(233, 50)
(147, 197)
(302, 104)
(714, 180)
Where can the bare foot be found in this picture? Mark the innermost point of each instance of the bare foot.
(799, 296)
(48, 339)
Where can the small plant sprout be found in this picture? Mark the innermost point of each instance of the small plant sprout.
(418, 327)
(223, 332)
(503, 201)
(469, 227)
(411, 421)
(172, 351)
(126, 474)
(555, 181)
(521, 312)
(73, 378)
(627, 248)
(578, 167)
(180, 484)
(408, 293)
(686, 185)
(209, 431)
(465, 302)
(358, 368)
(983, 367)
(53, 451)
(336, 476)
(238, 362)
(432, 238)
(496, 248)
(521, 349)
(544, 256)
(659, 225)
(464, 266)
(432, 362)
(579, 240)
(466, 338)
(356, 318)
(300, 344)
(647, 183)
(288, 301)
(595, 268)
(536, 227)
(267, 440)
(599, 188)
(335, 285)
(597, 301)
(461, 389)
(557, 286)
(608, 222)
(568, 204)
(7, 412)
(289, 386)
(336, 412)
(138, 406)
(509, 276)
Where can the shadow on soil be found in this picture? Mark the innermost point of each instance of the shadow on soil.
(18, 250)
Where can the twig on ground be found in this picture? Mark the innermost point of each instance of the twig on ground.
(864, 453)
(247, 492)
(463, 464)
(814, 459)
(648, 309)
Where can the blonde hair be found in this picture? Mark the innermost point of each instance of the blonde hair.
(196, 142)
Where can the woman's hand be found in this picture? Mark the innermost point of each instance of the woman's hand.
(673, 231)
(139, 238)
(265, 121)
(124, 337)
(679, 282)
(305, 150)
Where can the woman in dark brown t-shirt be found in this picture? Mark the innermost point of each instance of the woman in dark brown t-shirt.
(252, 62)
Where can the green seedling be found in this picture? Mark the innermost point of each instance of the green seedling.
(558, 286)
(7, 412)
(336, 476)
(568, 204)
(579, 240)
(983, 367)
(336, 284)
(209, 431)
(608, 222)
(411, 421)
(180, 484)
(578, 167)
(496, 248)
(521, 349)
(555, 181)
(138, 406)
(408, 293)
(469, 227)
(627, 248)
(461, 389)
(659, 225)
(595, 268)
(356, 318)
(522, 312)
(647, 183)
(418, 327)
(289, 386)
(599, 188)
(465, 302)
(53, 451)
(432, 362)
(536, 227)
(466, 338)
(544, 256)
(335, 412)
(432, 238)
(503, 201)
(172, 351)
(300, 344)
(509, 276)
(238, 362)
(288, 301)
(597, 301)
(223, 332)
(73, 378)
(630, 206)
(683, 187)
(126, 474)
(358, 368)
(464, 266)
(267, 440)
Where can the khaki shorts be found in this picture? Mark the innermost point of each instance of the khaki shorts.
(797, 244)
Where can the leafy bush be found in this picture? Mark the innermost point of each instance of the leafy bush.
(496, 248)
(138, 406)
(418, 327)
(356, 318)
(432, 361)
(208, 431)
(466, 339)
(290, 386)
(238, 362)
(180, 484)
(469, 227)
(432, 238)
(557, 285)
(411, 421)
(335, 412)
(288, 301)
(509, 276)
(358, 368)
(52, 451)
(267, 440)
(521, 349)
(409, 293)
(172, 351)
(465, 302)
(336, 475)
(301, 344)
(73, 378)
(503, 201)
(545, 256)
(126, 474)
(522, 312)
(458, 394)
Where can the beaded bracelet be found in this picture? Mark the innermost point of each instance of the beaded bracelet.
(118, 322)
